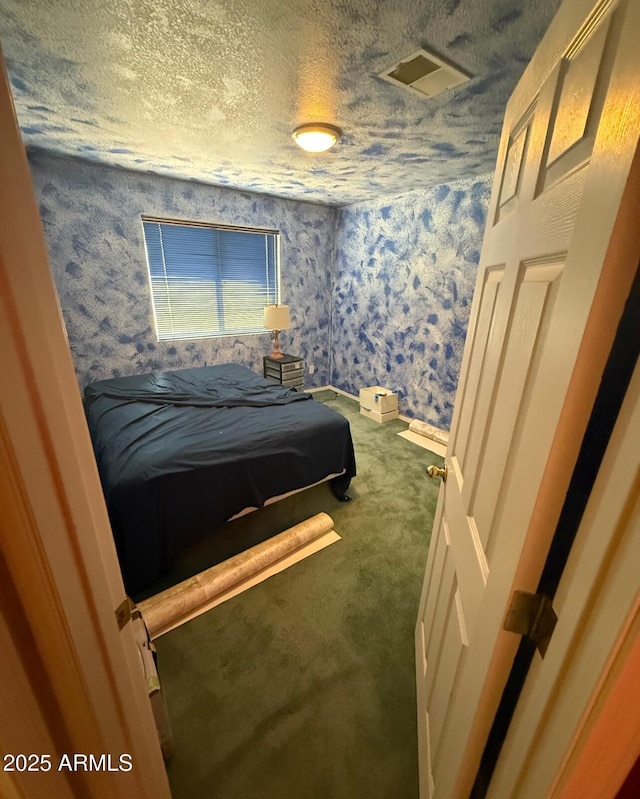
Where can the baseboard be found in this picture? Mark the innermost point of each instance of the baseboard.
(402, 417)
(345, 393)
(318, 388)
(332, 388)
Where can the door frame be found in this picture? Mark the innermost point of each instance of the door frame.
(71, 682)
(606, 743)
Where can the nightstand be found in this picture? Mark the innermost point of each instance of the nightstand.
(288, 370)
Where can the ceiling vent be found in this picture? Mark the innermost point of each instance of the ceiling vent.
(424, 73)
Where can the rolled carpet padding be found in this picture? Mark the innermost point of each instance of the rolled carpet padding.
(429, 431)
(181, 603)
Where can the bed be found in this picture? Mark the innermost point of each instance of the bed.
(179, 453)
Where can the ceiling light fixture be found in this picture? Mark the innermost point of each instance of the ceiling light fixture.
(316, 137)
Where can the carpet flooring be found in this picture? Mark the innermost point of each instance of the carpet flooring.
(303, 687)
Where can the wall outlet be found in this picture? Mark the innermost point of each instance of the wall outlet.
(312, 368)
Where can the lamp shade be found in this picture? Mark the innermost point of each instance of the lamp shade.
(276, 317)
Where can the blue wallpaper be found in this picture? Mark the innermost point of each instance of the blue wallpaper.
(404, 279)
(380, 292)
(91, 217)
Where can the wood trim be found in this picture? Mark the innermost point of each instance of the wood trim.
(607, 742)
(17, 529)
(28, 710)
(62, 579)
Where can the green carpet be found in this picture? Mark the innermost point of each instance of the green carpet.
(304, 686)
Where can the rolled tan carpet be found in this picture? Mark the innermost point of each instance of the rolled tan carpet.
(185, 601)
(429, 431)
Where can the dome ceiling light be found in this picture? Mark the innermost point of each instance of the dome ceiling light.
(316, 137)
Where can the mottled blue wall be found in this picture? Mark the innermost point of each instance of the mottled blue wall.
(404, 277)
(91, 216)
(383, 288)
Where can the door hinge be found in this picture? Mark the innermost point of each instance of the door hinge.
(123, 612)
(533, 616)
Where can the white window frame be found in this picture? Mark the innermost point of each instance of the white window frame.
(161, 323)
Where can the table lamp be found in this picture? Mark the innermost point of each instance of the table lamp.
(276, 318)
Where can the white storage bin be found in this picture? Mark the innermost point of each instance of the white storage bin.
(378, 403)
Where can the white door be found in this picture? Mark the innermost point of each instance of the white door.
(560, 249)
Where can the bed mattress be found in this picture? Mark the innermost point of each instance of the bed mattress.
(181, 452)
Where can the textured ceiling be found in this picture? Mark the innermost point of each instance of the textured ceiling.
(211, 91)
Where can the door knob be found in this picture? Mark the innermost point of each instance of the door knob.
(436, 471)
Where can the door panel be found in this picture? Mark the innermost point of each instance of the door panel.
(569, 138)
(490, 293)
(579, 96)
(491, 289)
(482, 399)
(575, 95)
(533, 305)
(512, 176)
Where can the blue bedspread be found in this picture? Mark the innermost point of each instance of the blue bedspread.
(181, 452)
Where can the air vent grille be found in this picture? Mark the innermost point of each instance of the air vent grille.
(424, 73)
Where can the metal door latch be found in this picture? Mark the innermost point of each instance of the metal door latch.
(533, 616)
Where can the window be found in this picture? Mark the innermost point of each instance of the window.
(208, 280)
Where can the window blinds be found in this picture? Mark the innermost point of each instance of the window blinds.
(209, 281)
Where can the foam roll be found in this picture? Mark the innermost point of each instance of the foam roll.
(429, 431)
(168, 609)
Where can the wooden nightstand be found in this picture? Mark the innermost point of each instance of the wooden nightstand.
(288, 370)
